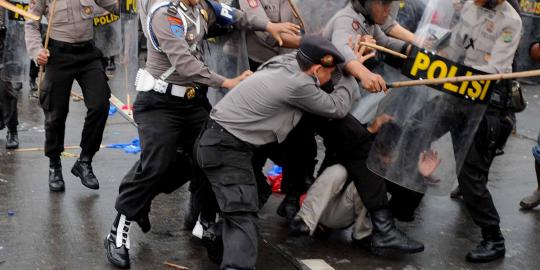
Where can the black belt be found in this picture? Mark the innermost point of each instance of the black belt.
(74, 48)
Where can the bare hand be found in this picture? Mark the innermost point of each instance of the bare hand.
(428, 163)
(362, 53)
(379, 122)
(43, 57)
(373, 82)
(231, 83)
(276, 29)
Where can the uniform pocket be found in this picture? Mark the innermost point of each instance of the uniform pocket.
(208, 150)
(61, 13)
(88, 9)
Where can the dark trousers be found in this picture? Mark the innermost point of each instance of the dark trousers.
(70, 62)
(9, 93)
(226, 162)
(165, 124)
(34, 70)
(350, 142)
(491, 135)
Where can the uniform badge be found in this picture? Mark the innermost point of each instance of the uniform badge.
(253, 3)
(190, 37)
(177, 26)
(88, 10)
(190, 93)
(507, 35)
(355, 25)
(327, 61)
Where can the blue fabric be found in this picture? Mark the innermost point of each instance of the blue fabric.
(536, 150)
(225, 15)
(130, 148)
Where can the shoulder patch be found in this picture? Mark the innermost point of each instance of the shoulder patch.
(253, 3)
(507, 35)
(355, 25)
(177, 26)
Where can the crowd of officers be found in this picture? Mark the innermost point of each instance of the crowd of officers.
(299, 85)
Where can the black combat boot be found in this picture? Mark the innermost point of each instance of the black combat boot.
(289, 207)
(213, 241)
(491, 248)
(386, 237)
(12, 140)
(83, 169)
(117, 242)
(56, 180)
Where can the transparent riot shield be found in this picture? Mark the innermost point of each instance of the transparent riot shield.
(317, 13)
(129, 56)
(16, 62)
(226, 55)
(107, 32)
(440, 119)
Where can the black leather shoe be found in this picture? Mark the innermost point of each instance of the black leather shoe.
(289, 207)
(83, 169)
(386, 237)
(12, 140)
(490, 248)
(298, 227)
(118, 251)
(56, 180)
(364, 243)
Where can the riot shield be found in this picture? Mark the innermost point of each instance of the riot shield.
(129, 56)
(317, 13)
(441, 118)
(226, 55)
(107, 32)
(15, 59)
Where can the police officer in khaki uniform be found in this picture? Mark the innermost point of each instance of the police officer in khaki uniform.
(486, 38)
(71, 56)
(171, 105)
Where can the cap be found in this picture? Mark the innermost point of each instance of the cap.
(319, 50)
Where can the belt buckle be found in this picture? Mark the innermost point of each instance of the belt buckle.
(190, 93)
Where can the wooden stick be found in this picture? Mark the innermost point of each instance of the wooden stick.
(489, 77)
(46, 45)
(175, 266)
(383, 49)
(116, 102)
(15, 9)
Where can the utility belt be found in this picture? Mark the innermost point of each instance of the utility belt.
(145, 82)
(72, 48)
(507, 96)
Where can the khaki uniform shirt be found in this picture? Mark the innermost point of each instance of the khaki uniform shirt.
(266, 106)
(262, 46)
(347, 22)
(72, 22)
(486, 40)
(179, 40)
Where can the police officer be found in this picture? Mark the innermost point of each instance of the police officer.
(171, 105)
(10, 83)
(533, 200)
(262, 110)
(490, 31)
(297, 153)
(71, 56)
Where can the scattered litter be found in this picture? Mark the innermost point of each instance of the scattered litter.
(10, 213)
(70, 155)
(130, 148)
(274, 177)
(112, 110)
(175, 266)
(3, 181)
(127, 107)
